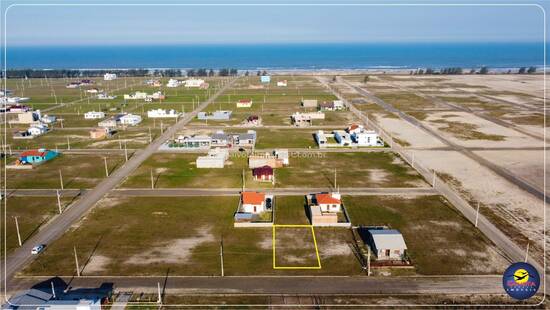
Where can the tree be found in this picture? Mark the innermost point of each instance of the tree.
(246, 73)
(366, 79)
(531, 70)
(429, 71)
(420, 71)
(334, 78)
(483, 70)
(211, 72)
(233, 72)
(259, 73)
(472, 71)
(522, 70)
(190, 72)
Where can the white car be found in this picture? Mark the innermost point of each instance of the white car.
(37, 249)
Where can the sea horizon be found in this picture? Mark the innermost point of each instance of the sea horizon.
(281, 57)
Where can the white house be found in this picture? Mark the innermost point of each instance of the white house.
(136, 96)
(104, 96)
(342, 137)
(253, 202)
(161, 113)
(328, 202)
(193, 82)
(109, 76)
(173, 83)
(244, 103)
(93, 91)
(309, 103)
(214, 159)
(48, 119)
(157, 95)
(338, 105)
(367, 138)
(37, 129)
(94, 115)
(387, 244)
(282, 83)
(130, 119)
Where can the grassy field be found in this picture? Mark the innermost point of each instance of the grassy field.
(31, 213)
(438, 238)
(78, 171)
(290, 210)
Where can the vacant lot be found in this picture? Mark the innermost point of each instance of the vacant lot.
(291, 210)
(78, 171)
(438, 238)
(295, 247)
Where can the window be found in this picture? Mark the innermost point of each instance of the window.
(387, 252)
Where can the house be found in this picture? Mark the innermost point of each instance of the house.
(247, 139)
(253, 120)
(73, 85)
(86, 82)
(244, 103)
(37, 156)
(320, 218)
(321, 138)
(17, 108)
(338, 105)
(158, 95)
(111, 122)
(48, 119)
(161, 113)
(109, 76)
(335, 105)
(37, 130)
(93, 91)
(130, 119)
(263, 174)
(173, 83)
(6, 92)
(215, 116)
(277, 159)
(328, 202)
(100, 133)
(105, 96)
(138, 95)
(305, 119)
(387, 244)
(342, 137)
(27, 117)
(253, 202)
(214, 159)
(38, 299)
(282, 83)
(354, 128)
(219, 138)
(193, 142)
(362, 137)
(94, 115)
(265, 79)
(193, 83)
(309, 103)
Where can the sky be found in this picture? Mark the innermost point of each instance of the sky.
(252, 24)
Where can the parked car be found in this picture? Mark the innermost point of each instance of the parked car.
(37, 249)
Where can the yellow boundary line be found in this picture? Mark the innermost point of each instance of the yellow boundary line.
(274, 228)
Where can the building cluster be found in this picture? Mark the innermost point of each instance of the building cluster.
(353, 136)
(244, 103)
(138, 95)
(335, 105)
(299, 119)
(109, 76)
(219, 115)
(154, 83)
(121, 119)
(38, 124)
(189, 83)
(162, 113)
(218, 139)
(77, 84)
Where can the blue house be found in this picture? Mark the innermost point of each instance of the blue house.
(37, 156)
(265, 79)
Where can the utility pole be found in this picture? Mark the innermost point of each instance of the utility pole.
(68, 144)
(106, 168)
(59, 201)
(76, 262)
(159, 300)
(18, 233)
(335, 178)
(368, 261)
(221, 256)
(125, 151)
(477, 213)
(527, 253)
(60, 179)
(150, 137)
(152, 180)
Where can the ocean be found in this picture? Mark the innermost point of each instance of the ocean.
(280, 56)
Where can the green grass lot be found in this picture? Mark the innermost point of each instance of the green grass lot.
(438, 238)
(179, 170)
(79, 171)
(378, 169)
(31, 213)
(135, 137)
(285, 138)
(290, 210)
(176, 236)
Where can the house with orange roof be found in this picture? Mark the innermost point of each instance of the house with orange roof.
(328, 202)
(253, 202)
(36, 156)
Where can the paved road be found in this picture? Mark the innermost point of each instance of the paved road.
(312, 285)
(172, 192)
(505, 244)
(520, 182)
(61, 223)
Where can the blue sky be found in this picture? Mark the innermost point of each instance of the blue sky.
(119, 25)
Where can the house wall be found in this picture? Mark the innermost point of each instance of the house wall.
(250, 208)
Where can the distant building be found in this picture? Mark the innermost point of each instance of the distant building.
(48, 119)
(100, 133)
(73, 85)
(94, 115)
(105, 96)
(138, 95)
(37, 130)
(111, 122)
(244, 103)
(37, 156)
(28, 117)
(193, 142)
(309, 103)
(282, 83)
(215, 159)
(305, 119)
(93, 91)
(161, 113)
(109, 76)
(193, 83)
(215, 116)
(387, 244)
(277, 159)
(253, 120)
(172, 83)
(265, 79)
(335, 105)
(263, 174)
(130, 119)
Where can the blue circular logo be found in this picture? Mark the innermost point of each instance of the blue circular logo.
(521, 281)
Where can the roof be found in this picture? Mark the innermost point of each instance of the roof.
(353, 127)
(325, 198)
(245, 100)
(326, 104)
(33, 153)
(253, 198)
(264, 170)
(387, 239)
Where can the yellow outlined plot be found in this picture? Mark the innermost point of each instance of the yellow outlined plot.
(296, 267)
